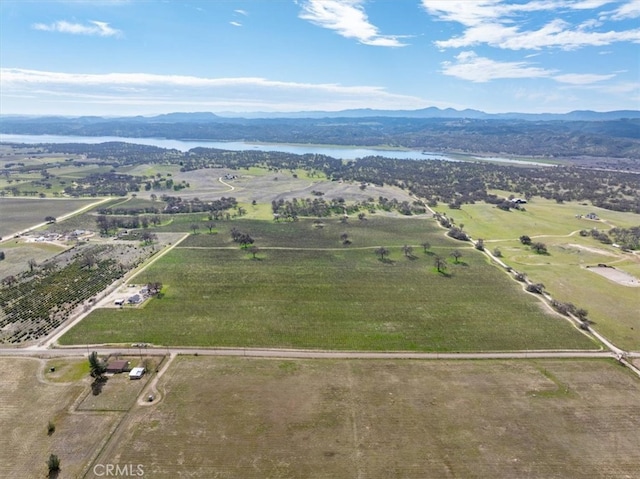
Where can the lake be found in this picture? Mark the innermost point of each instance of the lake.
(344, 153)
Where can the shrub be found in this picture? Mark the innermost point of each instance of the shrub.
(53, 463)
(536, 288)
(458, 234)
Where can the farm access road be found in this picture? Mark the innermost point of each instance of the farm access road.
(295, 353)
(104, 350)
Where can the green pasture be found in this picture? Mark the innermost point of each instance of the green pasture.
(540, 218)
(306, 291)
(377, 230)
(612, 307)
(134, 202)
(66, 370)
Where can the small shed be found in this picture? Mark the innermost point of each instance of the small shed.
(118, 366)
(136, 373)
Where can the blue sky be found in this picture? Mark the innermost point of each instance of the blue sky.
(130, 57)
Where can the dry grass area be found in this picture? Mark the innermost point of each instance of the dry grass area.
(28, 401)
(245, 418)
(119, 393)
(265, 186)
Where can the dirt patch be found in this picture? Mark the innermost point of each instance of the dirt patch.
(594, 250)
(616, 275)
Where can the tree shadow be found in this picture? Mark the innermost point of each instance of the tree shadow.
(444, 274)
(98, 384)
(386, 260)
(54, 474)
(461, 263)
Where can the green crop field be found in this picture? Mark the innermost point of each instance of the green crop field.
(306, 290)
(252, 418)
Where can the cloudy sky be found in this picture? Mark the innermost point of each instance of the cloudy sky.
(125, 57)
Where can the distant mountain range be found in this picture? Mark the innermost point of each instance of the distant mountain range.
(614, 134)
(431, 112)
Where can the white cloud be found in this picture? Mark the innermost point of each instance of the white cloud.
(236, 24)
(160, 91)
(101, 29)
(469, 66)
(581, 78)
(628, 10)
(347, 18)
(241, 12)
(589, 4)
(502, 25)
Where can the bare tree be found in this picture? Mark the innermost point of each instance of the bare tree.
(440, 264)
(32, 264)
(382, 252)
(456, 255)
(425, 245)
(88, 260)
(407, 250)
(254, 250)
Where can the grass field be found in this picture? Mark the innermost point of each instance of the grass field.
(28, 401)
(21, 213)
(18, 253)
(306, 290)
(249, 418)
(541, 217)
(612, 307)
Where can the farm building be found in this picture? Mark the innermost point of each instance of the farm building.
(118, 366)
(135, 299)
(136, 373)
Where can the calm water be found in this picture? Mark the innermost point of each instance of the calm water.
(185, 145)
